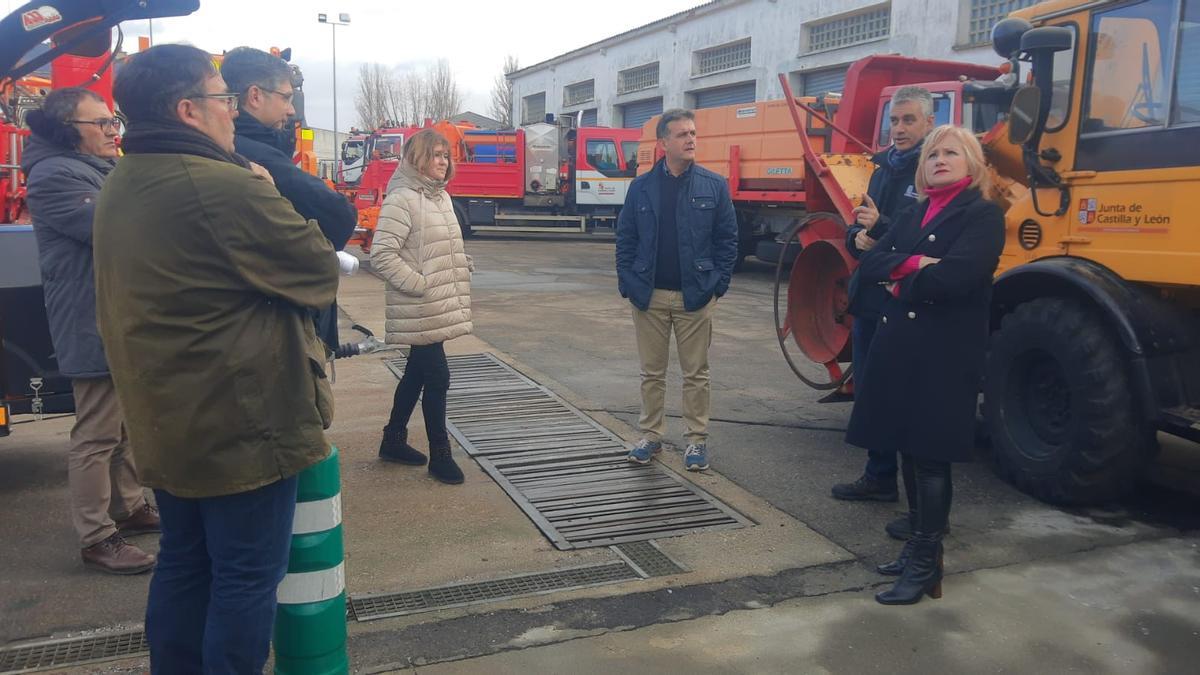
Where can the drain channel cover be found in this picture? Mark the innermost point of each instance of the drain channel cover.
(72, 651)
(567, 472)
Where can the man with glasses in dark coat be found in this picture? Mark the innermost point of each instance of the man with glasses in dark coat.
(266, 136)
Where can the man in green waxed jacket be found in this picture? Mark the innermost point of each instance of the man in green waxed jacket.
(205, 276)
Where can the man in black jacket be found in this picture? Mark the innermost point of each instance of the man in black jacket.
(890, 192)
(265, 136)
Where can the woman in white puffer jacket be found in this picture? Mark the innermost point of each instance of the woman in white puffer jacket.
(418, 248)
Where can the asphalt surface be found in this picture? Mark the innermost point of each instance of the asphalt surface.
(553, 304)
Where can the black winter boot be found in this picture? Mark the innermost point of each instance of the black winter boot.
(442, 466)
(922, 574)
(395, 448)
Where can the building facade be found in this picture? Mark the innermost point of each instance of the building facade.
(732, 51)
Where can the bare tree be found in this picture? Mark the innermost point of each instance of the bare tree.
(406, 96)
(443, 97)
(374, 101)
(502, 92)
(416, 99)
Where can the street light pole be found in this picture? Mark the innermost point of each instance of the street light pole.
(337, 155)
(342, 20)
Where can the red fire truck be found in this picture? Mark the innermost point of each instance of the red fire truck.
(546, 177)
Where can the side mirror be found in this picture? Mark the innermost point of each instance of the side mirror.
(1023, 115)
(1046, 39)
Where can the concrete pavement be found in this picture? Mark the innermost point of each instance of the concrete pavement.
(1122, 609)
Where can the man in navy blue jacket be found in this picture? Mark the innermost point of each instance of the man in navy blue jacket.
(891, 192)
(265, 136)
(676, 247)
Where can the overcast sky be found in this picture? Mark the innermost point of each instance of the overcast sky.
(473, 34)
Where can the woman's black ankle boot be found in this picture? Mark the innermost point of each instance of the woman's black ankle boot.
(922, 575)
(442, 466)
(395, 448)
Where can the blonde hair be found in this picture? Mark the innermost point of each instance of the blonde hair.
(418, 150)
(977, 167)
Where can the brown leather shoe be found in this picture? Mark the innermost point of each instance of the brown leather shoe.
(143, 521)
(117, 556)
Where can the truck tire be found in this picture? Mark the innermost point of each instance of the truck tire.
(1063, 421)
(464, 224)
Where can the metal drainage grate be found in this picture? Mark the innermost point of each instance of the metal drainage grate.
(379, 606)
(648, 559)
(566, 471)
(73, 651)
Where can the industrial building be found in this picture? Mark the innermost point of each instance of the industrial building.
(731, 51)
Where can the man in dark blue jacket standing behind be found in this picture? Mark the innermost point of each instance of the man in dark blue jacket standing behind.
(676, 247)
(891, 192)
(265, 136)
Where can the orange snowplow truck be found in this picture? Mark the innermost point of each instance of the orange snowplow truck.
(1096, 312)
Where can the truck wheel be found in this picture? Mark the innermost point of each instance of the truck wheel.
(1063, 421)
(460, 212)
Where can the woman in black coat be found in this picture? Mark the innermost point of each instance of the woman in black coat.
(926, 361)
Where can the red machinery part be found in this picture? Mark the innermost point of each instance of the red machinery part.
(815, 318)
(69, 70)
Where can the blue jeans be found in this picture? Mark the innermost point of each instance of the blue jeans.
(881, 465)
(212, 599)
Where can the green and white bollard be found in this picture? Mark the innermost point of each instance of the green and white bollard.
(310, 624)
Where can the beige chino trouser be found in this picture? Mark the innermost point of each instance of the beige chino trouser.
(100, 470)
(693, 337)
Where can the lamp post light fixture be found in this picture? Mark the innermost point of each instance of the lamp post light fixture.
(342, 20)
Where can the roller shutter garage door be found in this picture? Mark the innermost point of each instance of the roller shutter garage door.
(824, 81)
(589, 118)
(715, 98)
(638, 113)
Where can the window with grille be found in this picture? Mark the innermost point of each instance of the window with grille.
(983, 14)
(637, 79)
(725, 57)
(844, 31)
(580, 92)
(533, 108)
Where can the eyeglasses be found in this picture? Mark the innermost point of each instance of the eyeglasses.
(105, 123)
(231, 100)
(287, 98)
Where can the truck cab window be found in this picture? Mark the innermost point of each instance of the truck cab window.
(352, 152)
(1131, 47)
(602, 155)
(1186, 106)
(389, 147)
(630, 148)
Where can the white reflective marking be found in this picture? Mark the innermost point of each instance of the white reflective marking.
(317, 516)
(308, 587)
